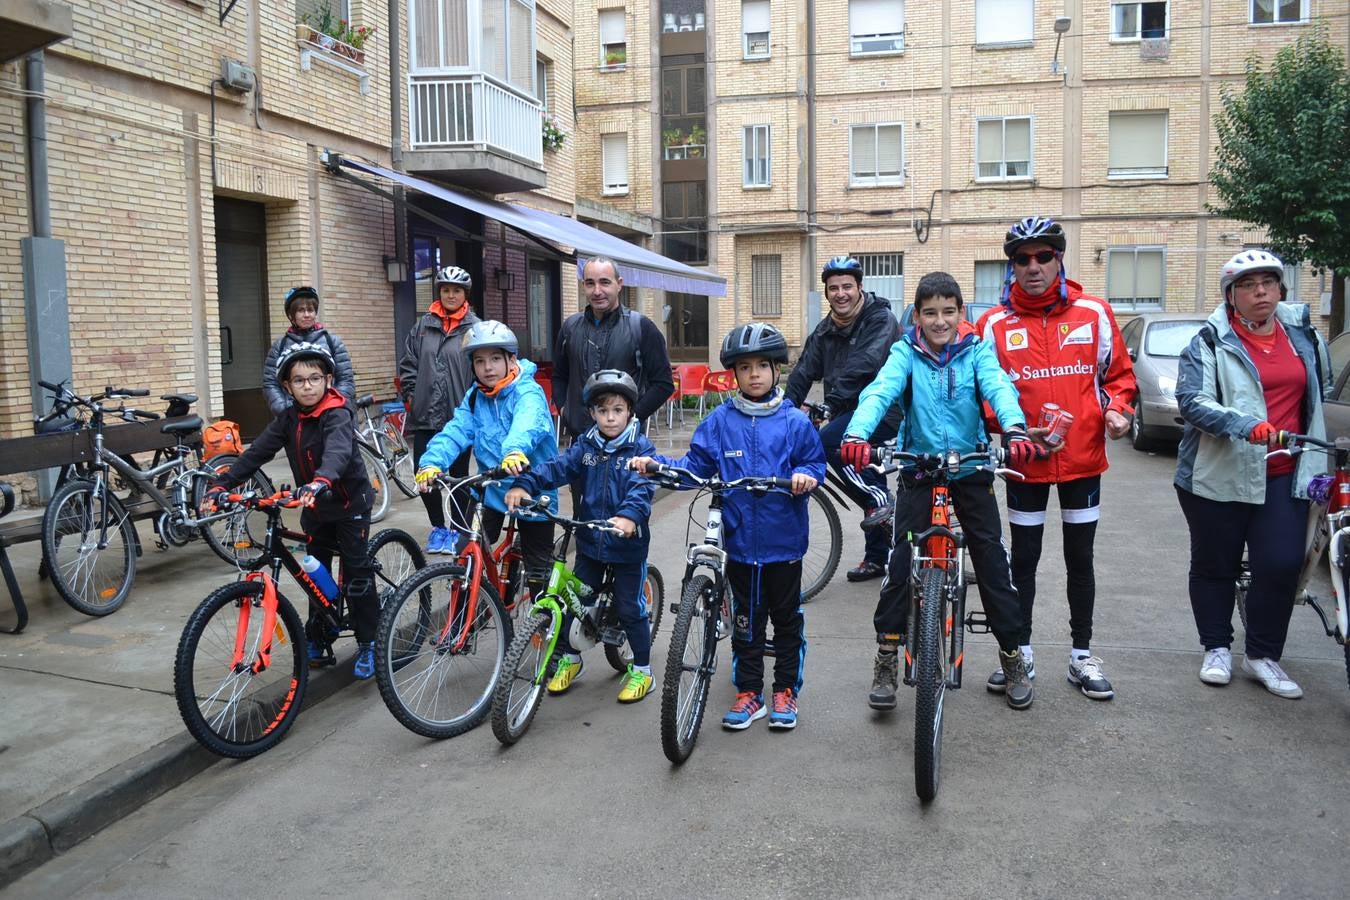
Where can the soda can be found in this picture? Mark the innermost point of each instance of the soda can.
(1060, 428)
(1049, 413)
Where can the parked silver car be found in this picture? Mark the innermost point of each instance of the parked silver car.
(1155, 342)
(1337, 408)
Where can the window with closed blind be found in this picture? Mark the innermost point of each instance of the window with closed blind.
(766, 285)
(1135, 277)
(614, 164)
(876, 155)
(876, 27)
(1002, 149)
(1138, 144)
(613, 39)
(755, 29)
(1003, 22)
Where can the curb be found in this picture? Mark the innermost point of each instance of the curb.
(46, 831)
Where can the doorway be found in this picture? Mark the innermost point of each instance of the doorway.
(241, 274)
(687, 327)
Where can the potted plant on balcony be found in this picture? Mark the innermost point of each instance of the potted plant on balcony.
(325, 30)
(672, 138)
(698, 140)
(554, 136)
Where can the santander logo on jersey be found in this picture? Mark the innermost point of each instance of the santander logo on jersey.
(1032, 374)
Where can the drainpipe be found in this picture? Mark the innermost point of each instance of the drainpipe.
(810, 150)
(39, 201)
(404, 298)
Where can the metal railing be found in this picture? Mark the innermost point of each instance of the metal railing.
(474, 110)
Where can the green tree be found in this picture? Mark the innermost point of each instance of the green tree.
(1283, 160)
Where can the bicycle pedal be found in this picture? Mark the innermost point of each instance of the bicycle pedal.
(978, 623)
(613, 636)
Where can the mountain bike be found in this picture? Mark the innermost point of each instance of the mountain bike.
(89, 537)
(535, 647)
(702, 615)
(242, 665)
(934, 638)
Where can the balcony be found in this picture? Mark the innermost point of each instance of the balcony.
(476, 131)
(30, 25)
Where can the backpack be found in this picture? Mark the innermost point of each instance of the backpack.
(221, 437)
(634, 320)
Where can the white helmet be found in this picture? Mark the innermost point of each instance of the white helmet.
(454, 275)
(1247, 262)
(490, 335)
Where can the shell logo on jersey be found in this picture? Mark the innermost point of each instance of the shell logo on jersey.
(1016, 339)
(1070, 334)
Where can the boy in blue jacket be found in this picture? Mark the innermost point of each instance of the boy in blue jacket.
(596, 465)
(756, 433)
(941, 371)
(504, 417)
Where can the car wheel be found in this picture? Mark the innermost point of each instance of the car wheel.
(1137, 439)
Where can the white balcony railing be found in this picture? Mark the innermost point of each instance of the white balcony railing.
(474, 111)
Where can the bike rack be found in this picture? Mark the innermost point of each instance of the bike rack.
(15, 593)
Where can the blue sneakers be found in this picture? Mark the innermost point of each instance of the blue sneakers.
(439, 541)
(365, 661)
(784, 715)
(747, 708)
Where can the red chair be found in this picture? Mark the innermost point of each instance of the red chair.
(545, 381)
(719, 383)
(689, 383)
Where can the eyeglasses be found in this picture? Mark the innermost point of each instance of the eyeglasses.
(310, 381)
(1250, 284)
(1042, 257)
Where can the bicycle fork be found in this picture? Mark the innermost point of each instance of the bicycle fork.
(263, 657)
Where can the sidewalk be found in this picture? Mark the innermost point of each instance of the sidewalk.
(90, 730)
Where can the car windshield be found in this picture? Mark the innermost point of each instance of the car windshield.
(1170, 338)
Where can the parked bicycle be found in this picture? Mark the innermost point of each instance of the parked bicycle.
(89, 537)
(242, 665)
(387, 457)
(535, 647)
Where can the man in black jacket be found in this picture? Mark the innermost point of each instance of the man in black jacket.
(606, 335)
(847, 350)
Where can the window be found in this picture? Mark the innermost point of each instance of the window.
(884, 275)
(613, 39)
(1132, 21)
(756, 143)
(439, 34)
(1138, 145)
(542, 70)
(989, 277)
(506, 47)
(766, 285)
(685, 214)
(1002, 148)
(876, 27)
(1003, 22)
(614, 162)
(755, 29)
(1278, 12)
(339, 9)
(1134, 277)
(876, 155)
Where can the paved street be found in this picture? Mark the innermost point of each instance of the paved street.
(1175, 788)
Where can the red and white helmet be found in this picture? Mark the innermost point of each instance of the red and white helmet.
(1247, 262)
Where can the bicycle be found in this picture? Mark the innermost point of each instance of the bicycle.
(934, 636)
(85, 518)
(242, 665)
(702, 615)
(1329, 534)
(387, 457)
(530, 660)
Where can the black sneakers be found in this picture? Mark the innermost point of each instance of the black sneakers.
(1087, 674)
(865, 571)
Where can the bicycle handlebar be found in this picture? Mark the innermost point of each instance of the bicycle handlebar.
(884, 460)
(542, 506)
(1291, 444)
(672, 475)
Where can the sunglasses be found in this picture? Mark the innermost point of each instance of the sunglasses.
(1042, 257)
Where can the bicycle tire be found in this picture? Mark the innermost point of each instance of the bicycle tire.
(930, 685)
(821, 562)
(684, 687)
(401, 468)
(379, 482)
(271, 699)
(523, 678)
(654, 587)
(94, 581)
(1240, 588)
(396, 556)
(239, 540)
(433, 687)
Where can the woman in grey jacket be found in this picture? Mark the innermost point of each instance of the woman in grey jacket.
(1256, 368)
(302, 308)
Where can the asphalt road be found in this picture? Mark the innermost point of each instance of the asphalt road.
(1174, 788)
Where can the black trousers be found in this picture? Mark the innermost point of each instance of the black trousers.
(349, 537)
(432, 499)
(759, 595)
(866, 488)
(973, 498)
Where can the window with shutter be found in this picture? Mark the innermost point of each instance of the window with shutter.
(877, 155)
(766, 285)
(614, 163)
(876, 27)
(1138, 144)
(1003, 148)
(755, 29)
(613, 39)
(1003, 22)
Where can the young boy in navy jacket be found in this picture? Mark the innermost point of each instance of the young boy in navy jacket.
(597, 462)
(756, 433)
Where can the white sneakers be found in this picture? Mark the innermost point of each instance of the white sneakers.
(1218, 669)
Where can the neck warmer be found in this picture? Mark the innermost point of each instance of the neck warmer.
(501, 385)
(449, 320)
(619, 441)
(1020, 300)
(857, 311)
(759, 407)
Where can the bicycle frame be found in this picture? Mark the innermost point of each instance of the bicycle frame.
(940, 547)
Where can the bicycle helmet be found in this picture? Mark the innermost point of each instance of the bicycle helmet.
(610, 381)
(489, 335)
(842, 265)
(1034, 229)
(306, 351)
(754, 339)
(1247, 262)
(453, 275)
(304, 292)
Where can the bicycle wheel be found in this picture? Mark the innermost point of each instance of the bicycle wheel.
(92, 578)
(379, 482)
(521, 688)
(240, 539)
(689, 668)
(822, 558)
(1244, 584)
(396, 557)
(654, 591)
(437, 668)
(930, 684)
(229, 708)
(400, 455)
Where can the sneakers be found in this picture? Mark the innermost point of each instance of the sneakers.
(1017, 686)
(439, 541)
(1269, 673)
(568, 671)
(877, 517)
(998, 682)
(747, 708)
(365, 661)
(1086, 672)
(865, 571)
(1217, 667)
(885, 679)
(636, 684)
(784, 715)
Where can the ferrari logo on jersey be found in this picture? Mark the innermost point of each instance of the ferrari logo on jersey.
(1070, 334)
(1016, 339)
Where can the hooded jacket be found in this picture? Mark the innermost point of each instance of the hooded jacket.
(621, 340)
(434, 372)
(846, 359)
(344, 379)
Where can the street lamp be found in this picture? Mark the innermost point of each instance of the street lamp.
(1061, 26)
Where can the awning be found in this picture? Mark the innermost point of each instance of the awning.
(637, 266)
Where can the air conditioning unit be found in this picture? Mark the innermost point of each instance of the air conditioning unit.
(237, 77)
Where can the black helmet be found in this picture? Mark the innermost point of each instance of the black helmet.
(303, 351)
(610, 381)
(1033, 230)
(842, 265)
(754, 339)
(304, 292)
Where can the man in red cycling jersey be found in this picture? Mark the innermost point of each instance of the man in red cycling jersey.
(1061, 346)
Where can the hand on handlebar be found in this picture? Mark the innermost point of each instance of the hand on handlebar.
(307, 494)
(1022, 450)
(644, 465)
(624, 524)
(855, 452)
(515, 497)
(515, 463)
(802, 484)
(1265, 433)
(425, 478)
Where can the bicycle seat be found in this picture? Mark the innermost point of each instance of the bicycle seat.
(363, 402)
(190, 424)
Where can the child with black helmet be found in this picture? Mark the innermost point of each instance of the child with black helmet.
(302, 309)
(756, 433)
(596, 465)
(318, 433)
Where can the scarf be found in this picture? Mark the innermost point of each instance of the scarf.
(1021, 301)
(619, 441)
(759, 407)
(501, 385)
(449, 320)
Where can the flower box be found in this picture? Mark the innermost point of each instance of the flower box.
(307, 35)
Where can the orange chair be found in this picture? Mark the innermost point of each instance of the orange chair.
(689, 383)
(545, 381)
(719, 383)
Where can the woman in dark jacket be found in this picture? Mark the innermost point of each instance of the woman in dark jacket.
(302, 308)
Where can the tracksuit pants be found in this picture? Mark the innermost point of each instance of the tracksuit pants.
(760, 594)
(630, 602)
(866, 488)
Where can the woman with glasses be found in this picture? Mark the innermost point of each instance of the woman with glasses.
(302, 309)
(1257, 367)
